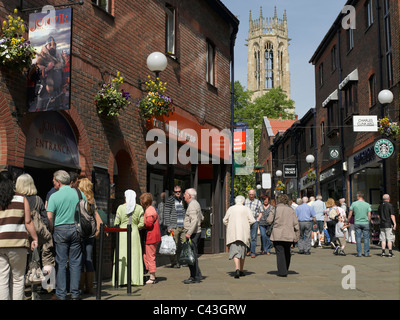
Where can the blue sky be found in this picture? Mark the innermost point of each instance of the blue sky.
(308, 23)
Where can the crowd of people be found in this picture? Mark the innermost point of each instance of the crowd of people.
(26, 222)
(304, 223)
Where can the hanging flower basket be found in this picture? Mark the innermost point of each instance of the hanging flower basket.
(16, 53)
(311, 176)
(280, 186)
(155, 103)
(110, 100)
(387, 128)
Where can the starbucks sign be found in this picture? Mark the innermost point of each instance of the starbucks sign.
(384, 148)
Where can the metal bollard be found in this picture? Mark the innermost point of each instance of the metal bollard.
(100, 267)
(116, 263)
(129, 262)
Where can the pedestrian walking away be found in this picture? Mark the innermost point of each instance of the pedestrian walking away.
(61, 213)
(362, 217)
(238, 220)
(130, 213)
(14, 216)
(306, 217)
(285, 232)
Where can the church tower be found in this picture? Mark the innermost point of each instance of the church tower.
(268, 55)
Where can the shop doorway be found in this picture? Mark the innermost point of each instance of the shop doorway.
(42, 174)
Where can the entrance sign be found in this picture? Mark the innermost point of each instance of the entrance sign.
(384, 148)
(50, 139)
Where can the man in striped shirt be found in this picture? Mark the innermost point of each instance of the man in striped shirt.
(174, 214)
(255, 206)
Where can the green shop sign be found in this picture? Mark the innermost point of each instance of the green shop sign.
(384, 148)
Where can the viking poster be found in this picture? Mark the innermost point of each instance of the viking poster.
(49, 78)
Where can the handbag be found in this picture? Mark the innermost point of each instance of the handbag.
(271, 226)
(168, 245)
(187, 254)
(34, 275)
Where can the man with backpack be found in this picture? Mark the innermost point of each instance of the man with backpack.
(61, 213)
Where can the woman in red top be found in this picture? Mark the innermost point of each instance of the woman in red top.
(153, 237)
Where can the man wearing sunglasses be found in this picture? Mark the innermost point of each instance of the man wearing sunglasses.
(174, 214)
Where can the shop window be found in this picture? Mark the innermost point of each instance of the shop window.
(210, 76)
(170, 30)
(105, 5)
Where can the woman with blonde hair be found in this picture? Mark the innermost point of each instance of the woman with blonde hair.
(26, 186)
(87, 272)
(153, 236)
(330, 224)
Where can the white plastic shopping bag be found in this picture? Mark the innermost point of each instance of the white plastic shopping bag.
(168, 246)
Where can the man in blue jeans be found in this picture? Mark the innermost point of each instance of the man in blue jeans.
(67, 242)
(255, 206)
(362, 217)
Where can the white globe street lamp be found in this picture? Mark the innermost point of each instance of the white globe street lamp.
(310, 159)
(278, 173)
(385, 96)
(157, 62)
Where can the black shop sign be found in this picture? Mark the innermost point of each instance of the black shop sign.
(289, 171)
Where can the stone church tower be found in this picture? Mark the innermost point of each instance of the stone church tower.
(268, 55)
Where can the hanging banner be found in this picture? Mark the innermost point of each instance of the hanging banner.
(49, 79)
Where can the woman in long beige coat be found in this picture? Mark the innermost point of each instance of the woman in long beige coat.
(238, 220)
(285, 232)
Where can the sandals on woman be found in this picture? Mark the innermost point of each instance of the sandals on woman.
(151, 281)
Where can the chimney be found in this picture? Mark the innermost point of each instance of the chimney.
(280, 116)
(296, 117)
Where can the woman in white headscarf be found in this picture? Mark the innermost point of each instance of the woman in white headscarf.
(130, 213)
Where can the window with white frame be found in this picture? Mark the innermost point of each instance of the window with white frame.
(170, 30)
(103, 4)
(350, 39)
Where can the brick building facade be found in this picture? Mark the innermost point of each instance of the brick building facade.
(119, 36)
(356, 60)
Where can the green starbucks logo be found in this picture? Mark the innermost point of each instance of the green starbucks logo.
(384, 148)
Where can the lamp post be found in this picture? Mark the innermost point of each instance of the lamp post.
(310, 159)
(278, 173)
(157, 62)
(385, 97)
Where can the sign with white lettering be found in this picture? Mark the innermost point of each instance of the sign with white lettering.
(289, 171)
(50, 139)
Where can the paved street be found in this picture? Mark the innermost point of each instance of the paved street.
(313, 277)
